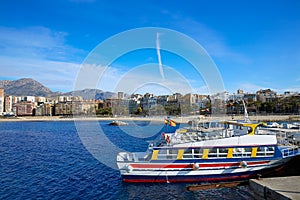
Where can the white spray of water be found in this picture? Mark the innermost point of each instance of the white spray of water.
(159, 57)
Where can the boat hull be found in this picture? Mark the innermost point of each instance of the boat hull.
(187, 179)
(203, 175)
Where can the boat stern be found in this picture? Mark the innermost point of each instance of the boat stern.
(125, 159)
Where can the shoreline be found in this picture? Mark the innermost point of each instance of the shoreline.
(182, 120)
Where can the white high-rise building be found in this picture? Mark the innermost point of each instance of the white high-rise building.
(1, 100)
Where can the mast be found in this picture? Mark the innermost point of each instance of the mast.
(245, 112)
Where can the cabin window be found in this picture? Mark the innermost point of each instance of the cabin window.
(222, 152)
(162, 154)
(242, 152)
(167, 154)
(172, 153)
(247, 152)
(213, 153)
(270, 151)
(265, 151)
(198, 153)
(237, 152)
(187, 154)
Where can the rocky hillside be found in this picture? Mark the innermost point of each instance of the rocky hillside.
(30, 87)
(26, 87)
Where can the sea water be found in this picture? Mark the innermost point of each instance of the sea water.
(47, 160)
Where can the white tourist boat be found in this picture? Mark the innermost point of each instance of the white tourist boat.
(187, 156)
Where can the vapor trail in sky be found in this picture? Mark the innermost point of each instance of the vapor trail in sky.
(159, 57)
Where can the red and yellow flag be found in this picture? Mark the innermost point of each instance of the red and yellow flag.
(170, 122)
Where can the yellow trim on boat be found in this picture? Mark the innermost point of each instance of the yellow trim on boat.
(181, 131)
(155, 154)
(253, 127)
(205, 153)
(230, 153)
(180, 154)
(254, 151)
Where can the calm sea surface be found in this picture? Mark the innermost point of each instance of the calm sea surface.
(47, 160)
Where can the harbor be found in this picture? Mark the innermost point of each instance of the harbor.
(279, 188)
(276, 188)
(282, 184)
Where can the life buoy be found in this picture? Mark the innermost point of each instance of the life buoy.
(168, 139)
(196, 166)
(128, 168)
(243, 164)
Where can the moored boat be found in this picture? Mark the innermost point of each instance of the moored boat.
(295, 125)
(118, 123)
(211, 158)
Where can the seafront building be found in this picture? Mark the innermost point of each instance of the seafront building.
(8, 103)
(1, 100)
(24, 108)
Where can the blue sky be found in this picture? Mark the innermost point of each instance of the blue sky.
(254, 44)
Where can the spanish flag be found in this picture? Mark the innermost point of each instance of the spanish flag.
(170, 122)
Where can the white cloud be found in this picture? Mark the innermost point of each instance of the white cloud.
(33, 42)
(56, 75)
(290, 89)
(147, 78)
(249, 87)
(253, 88)
(38, 53)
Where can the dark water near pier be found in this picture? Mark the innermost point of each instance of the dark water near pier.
(47, 160)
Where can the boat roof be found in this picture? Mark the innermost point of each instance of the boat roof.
(245, 140)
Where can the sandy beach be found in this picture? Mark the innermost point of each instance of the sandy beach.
(185, 119)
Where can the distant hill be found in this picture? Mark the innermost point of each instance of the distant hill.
(26, 87)
(88, 94)
(31, 87)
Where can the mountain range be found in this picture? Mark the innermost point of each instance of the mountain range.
(31, 87)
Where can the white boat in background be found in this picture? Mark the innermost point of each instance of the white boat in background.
(118, 123)
(295, 125)
(272, 125)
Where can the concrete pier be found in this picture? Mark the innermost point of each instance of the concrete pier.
(279, 188)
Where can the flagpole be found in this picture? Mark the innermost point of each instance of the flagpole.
(168, 122)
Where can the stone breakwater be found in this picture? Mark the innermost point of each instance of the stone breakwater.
(185, 119)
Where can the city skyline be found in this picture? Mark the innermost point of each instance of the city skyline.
(254, 44)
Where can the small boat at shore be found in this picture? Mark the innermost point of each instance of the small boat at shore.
(118, 123)
(186, 156)
(272, 125)
(295, 125)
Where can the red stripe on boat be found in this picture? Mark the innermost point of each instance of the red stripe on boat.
(184, 166)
